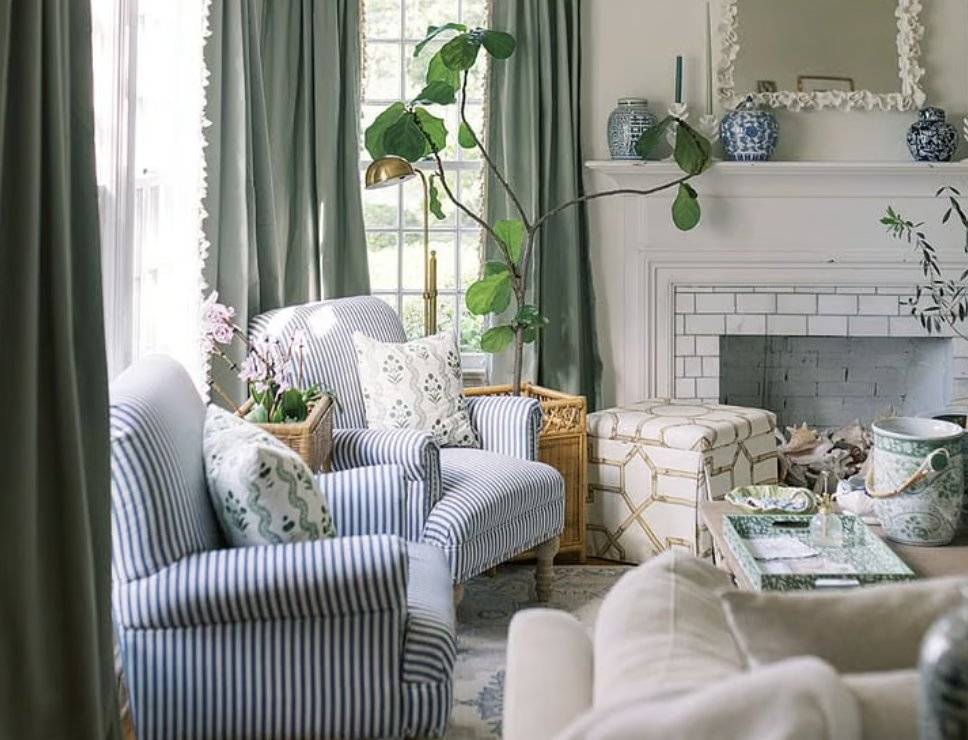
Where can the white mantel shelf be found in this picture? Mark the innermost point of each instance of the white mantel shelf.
(722, 167)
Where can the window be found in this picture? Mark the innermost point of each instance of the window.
(394, 216)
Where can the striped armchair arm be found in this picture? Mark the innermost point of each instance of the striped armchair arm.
(416, 452)
(370, 500)
(508, 425)
(322, 578)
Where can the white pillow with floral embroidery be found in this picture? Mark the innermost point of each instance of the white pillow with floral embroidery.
(415, 385)
(263, 493)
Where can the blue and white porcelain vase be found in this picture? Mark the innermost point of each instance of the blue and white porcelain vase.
(748, 133)
(943, 667)
(931, 138)
(626, 124)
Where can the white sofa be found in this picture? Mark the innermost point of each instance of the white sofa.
(666, 662)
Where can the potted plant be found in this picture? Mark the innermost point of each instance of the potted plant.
(409, 130)
(273, 371)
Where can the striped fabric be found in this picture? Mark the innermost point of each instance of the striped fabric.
(371, 500)
(494, 507)
(331, 638)
(507, 425)
(331, 359)
(481, 507)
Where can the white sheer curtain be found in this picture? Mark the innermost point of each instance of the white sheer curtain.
(149, 103)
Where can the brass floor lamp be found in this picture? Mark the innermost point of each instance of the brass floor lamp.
(389, 171)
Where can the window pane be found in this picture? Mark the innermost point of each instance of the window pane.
(413, 315)
(475, 114)
(423, 13)
(470, 257)
(381, 207)
(382, 249)
(383, 19)
(471, 194)
(471, 328)
(413, 204)
(474, 13)
(413, 267)
(417, 66)
(382, 71)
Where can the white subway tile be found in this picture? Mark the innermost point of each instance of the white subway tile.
(878, 305)
(780, 325)
(685, 387)
(685, 346)
(796, 303)
(707, 387)
(680, 324)
(710, 367)
(906, 326)
(749, 324)
(837, 304)
(755, 303)
(867, 326)
(680, 367)
(707, 346)
(685, 302)
(715, 303)
(705, 324)
(827, 326)
(959, 347)
(693, 367)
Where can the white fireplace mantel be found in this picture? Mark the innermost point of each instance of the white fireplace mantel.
(791, 224)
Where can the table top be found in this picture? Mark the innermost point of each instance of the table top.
(927, 562)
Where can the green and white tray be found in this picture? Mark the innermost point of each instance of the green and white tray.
(863, 560)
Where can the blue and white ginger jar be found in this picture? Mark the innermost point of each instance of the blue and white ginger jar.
(626, 124)
(931, 138)
(748, 133)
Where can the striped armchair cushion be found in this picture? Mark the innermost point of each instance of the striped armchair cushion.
(508, 425)
(331, 359)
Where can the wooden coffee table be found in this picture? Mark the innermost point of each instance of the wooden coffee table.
(927, 562)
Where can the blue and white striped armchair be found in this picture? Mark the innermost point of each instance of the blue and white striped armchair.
(482, 506)
(344, 637)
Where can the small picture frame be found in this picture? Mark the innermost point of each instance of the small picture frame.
(766, 86)
(824, 83)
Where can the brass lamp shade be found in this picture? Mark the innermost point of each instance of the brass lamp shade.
(387, 171)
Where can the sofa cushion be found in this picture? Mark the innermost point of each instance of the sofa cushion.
(430, 648)
(876, 628)
(492, 507)
(661, 631)
(263, 493)
(888, 703)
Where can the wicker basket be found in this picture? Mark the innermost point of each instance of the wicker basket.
(312, 439)
(563, 444)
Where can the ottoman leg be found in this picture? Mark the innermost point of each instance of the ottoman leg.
(458, 594)
(545, 570)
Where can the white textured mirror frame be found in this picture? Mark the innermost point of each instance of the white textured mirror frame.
(909, 35)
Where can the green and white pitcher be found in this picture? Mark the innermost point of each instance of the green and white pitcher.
(917, 479)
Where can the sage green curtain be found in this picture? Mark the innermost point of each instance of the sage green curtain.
(534, 135)
(285, 220)
(56, 665)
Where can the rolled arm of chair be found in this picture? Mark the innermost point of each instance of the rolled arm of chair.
(370, 500)
(508, 425)
(322, 578)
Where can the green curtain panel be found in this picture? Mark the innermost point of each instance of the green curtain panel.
(56, 664)
(534, 135)
(285, 219)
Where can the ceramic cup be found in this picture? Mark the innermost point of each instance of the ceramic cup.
(928, 513)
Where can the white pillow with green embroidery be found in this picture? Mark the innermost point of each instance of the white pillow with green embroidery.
(415, 385)
(262, 491)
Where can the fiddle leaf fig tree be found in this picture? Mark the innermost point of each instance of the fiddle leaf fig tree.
(409, 130)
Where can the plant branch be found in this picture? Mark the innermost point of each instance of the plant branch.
(487, 157)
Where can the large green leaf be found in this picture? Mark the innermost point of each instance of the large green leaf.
(511, 232)
(493, 267)
(373, 138)
(460, 52)
(465, 137)
(258, 414)
(437, 92)
(293, 406)
(434, 31)
(529, 316)
(433, 127)
(434, 200)
(405, 139)
(650, 139)
(437, 71)
(685, 208)
(497, 338)
(490, 294)
(692, 152)
(499, 44)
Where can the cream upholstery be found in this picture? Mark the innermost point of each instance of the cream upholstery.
(665, 665)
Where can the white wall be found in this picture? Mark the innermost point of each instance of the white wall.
(630, 48)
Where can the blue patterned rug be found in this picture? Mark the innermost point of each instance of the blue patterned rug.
(482, 624)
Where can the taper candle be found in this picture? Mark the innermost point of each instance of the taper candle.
(679, 78)
(709, 62)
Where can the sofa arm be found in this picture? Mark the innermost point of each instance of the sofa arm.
(508, 425)
(549, 679)
(370, 500)
(321, 578)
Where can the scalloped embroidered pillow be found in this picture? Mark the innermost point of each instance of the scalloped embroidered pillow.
(415, 385)
(263, 493)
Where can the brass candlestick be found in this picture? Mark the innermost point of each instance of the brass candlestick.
(389, 171)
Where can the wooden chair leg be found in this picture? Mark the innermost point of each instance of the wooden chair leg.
(544, 572)
(458, 594)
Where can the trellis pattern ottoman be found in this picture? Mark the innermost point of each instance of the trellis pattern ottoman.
(651, 463)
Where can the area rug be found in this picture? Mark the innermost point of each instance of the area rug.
(482, 626)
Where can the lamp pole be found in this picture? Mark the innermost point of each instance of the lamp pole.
(430, 264)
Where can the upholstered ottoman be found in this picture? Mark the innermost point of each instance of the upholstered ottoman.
(652, 462)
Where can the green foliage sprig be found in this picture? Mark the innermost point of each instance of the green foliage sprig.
(409, 130)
